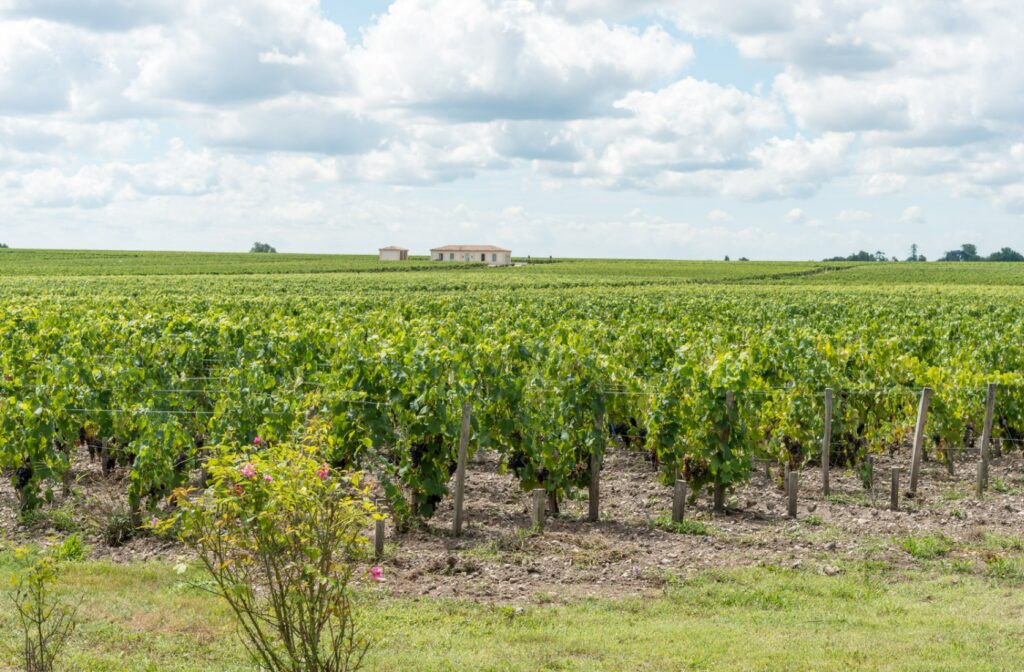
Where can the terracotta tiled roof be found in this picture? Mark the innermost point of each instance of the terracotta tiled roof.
(469, 248)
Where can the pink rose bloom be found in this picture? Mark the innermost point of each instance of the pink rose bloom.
(257, 441)
(376, 574)
(248, 471)
(268, 478)
(323, 472)
(238, 488)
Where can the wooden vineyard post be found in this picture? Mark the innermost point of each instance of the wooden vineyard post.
(785, 479)
(538, 509)
(979, 483)
(986, 434)
(793, 485)
(719, 489)
(950, 467)
(378, 538)
(595, 477)
(894, 492)
(826, 443)
(379, 531)
(915, 462)
(460, 471)
(679, 500)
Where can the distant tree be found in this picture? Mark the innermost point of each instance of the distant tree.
(1006, 254)
(744, 259)
(862, 256)
(967, 252)
(263, 248)
(727, 257)
(3, 246)
(913, 253)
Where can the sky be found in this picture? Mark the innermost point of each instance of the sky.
(592, 128)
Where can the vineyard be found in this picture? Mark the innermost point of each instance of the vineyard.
(704, 368)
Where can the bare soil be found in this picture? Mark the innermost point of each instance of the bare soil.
(499, 559)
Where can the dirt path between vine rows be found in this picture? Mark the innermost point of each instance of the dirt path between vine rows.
(628, 552)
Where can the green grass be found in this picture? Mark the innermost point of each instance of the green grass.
(84, 263)
(145, 617)
(953, 494)
(685, 526)
(1000, 487)
(1001, 542)
(112, 263)
(1005, 569)
(117, 263)
(850, 498)
(927, 546)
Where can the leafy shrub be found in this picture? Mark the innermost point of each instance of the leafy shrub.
(46, 621)
(118, 528)
(71, 549)
(63, 519)
(280, 533)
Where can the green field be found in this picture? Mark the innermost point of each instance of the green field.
(227, 346)
(147, 617)
(706, 366)
(76, 263)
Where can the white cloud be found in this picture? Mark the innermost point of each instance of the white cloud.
(153, 109)
(912, 215)
(303, 124)
(103, 15)
(718, 216)
(852, 215)
(90, 187)
(33, 77)
(884, 183)
(222, 53)
(833, 103)
(498, 59)
(299, 211)
(689, 137)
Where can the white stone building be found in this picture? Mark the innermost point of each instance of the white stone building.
(392, 253)
(479, 254)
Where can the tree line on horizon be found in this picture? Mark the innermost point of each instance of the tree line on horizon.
(967, 252)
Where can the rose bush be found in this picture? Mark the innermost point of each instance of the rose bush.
(281, 534)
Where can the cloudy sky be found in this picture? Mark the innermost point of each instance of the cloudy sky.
(626, 128)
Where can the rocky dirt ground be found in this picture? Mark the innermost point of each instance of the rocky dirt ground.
(630, 550)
